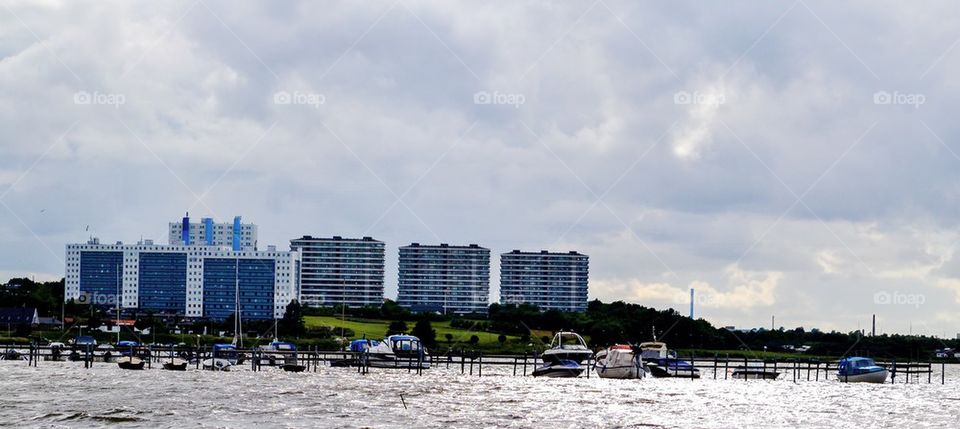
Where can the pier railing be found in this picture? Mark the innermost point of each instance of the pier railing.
(468, 362)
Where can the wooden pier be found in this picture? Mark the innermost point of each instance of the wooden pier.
(469, 362)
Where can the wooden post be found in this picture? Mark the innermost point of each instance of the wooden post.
(714, 366)
(480, 365)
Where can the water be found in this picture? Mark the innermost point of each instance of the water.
(64, 394)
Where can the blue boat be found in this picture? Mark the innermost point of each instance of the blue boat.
(224, 356)
(664, 363)
(860, 370)
(559, 368)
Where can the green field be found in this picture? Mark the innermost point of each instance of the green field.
(372, 328)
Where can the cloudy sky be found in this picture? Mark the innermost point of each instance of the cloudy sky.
(797, 159)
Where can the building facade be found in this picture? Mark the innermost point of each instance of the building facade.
(192, 281)
(444, 278)
(337, 270)
(234, 235)
(551, 281)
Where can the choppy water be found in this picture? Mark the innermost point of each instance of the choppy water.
(64, 394)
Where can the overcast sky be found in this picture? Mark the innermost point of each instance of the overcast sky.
(797, 159)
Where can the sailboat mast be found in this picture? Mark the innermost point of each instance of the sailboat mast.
(236, 293)
(118, 304)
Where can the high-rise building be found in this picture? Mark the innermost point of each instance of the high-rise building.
(337, 270)
(551, 281)
(444, 278)
(234, 235)
(191, 281)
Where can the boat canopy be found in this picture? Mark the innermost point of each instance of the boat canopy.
(283, 346)
(128, 343)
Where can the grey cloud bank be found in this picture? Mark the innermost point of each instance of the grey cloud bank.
(801, 194)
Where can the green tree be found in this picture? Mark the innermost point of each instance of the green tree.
(397, 327)
(449, 337)
(425, 332)
(292, 323)
(502, 339)
(474, 340)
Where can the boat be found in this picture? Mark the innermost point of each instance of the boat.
(754, 373)
(619, 361)
(395, 351)
(175, 364)
(130, 362)
(276, 351)
(561, 368)
(567, 352)
(662, 362)
(223, 357)
(861, 370)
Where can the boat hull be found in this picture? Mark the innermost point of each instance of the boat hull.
(217, 364)
(622, 372)
(130, 363)
(671, 371)
(562, 369)
(870, 377)
(175, 365)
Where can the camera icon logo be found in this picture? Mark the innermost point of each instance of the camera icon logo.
(682, 97)
(81, 97)
(882, 298)
(482, 97)
(882, 97)
(282, 97)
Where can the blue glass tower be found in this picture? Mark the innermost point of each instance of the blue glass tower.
(163, 282)
(256, 284)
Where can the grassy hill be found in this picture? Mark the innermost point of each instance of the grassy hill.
(374, 328)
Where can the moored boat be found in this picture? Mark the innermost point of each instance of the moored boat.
(564, 357)
(560, 368)
(861, 370)
(175, 364)
(130, 362)
(224, 356)
(664, 363)
(395, 351)
(619, 361)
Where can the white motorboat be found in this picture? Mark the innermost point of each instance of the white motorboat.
(224, 356)
(567, 352)
(395, 351)
(619, 361)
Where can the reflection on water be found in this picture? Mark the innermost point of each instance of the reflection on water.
(64, 394)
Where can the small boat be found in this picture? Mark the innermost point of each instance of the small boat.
(130, 362)
(560, 368)
(567, 346)
(754, 373)
(567, 351)
(860, 370)
(664, 363)
(292, 367)
(619, 361)
(276, 351)
(224, 356)
(175, 364)
(395, 351)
